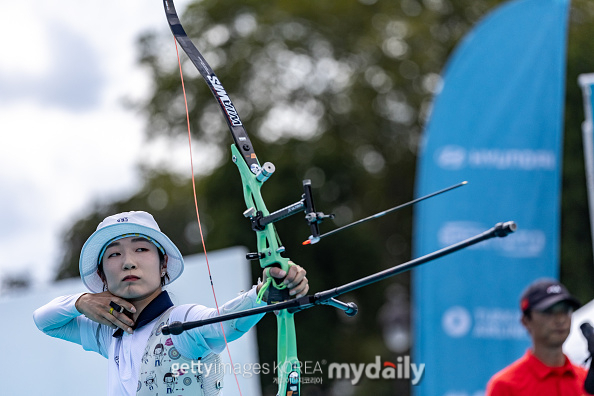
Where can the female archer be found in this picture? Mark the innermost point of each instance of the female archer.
(125, 263)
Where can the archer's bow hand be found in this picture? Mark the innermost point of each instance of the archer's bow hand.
(295, 280)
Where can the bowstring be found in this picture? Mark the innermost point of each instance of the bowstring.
(198, 214)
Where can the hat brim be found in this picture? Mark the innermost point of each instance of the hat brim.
(89, 255)
(552, 300)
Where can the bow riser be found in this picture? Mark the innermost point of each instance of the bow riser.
(289, 373)
(269, 246)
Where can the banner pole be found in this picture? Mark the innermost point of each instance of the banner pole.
(586, 82)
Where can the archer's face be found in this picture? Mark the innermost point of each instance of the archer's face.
(132, 268)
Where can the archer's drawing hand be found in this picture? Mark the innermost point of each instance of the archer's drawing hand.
(95, 306)
(295, 280)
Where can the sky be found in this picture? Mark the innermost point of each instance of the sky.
(67, 140)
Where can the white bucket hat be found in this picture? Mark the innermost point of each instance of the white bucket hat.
(117, 225)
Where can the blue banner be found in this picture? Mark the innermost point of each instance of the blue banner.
(496, 123)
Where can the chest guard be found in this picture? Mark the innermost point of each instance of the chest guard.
(164, 371)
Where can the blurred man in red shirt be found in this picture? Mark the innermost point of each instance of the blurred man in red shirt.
(544, 370)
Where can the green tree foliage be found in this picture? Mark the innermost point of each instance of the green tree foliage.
(336, 91)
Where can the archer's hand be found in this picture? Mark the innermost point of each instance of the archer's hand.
(96, 307)
(295, 280)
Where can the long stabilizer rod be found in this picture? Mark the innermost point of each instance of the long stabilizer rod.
(500, 230)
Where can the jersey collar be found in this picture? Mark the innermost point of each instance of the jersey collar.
(152, 311)
(542, 370)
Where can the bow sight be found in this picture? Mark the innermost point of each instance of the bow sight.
(306, 204)
(313, 218)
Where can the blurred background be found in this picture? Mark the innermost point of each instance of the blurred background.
(339, 92)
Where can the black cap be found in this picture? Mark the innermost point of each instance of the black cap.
(543, 294)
